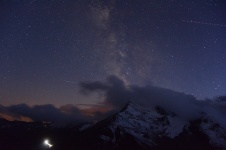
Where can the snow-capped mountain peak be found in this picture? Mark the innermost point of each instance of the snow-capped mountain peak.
(142, 122)
(149, 126)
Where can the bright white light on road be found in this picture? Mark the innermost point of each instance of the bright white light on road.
(46, 142)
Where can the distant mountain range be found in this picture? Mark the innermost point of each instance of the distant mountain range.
(134, 128)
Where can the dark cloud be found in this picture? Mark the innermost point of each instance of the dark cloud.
(92, 86)
(118, 94)
(6, 114)
(221, 98)
(70, 109)
(97, 116)
(47, 113)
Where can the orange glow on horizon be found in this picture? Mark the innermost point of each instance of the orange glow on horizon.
(15, 118)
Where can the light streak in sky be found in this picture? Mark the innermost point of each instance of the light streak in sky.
(31, 2)
(205, 23)
(69, 81)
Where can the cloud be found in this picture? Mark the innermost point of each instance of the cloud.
(221, 98)
(48, 113)
(5, 114)
(216, 108)
(64, 114)
(14, 117)
(117, 95)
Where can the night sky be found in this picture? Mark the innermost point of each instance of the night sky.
(47, 47)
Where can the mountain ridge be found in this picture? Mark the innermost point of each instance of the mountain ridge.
(154, 127)
(135, 127)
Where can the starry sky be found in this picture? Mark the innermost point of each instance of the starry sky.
(47, 47)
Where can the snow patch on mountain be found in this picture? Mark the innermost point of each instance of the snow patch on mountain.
(145, 123)
(176, 126)
(215, 132)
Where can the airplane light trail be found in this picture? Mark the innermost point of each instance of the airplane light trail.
(69, 81)
(204, 23)
(31, 2)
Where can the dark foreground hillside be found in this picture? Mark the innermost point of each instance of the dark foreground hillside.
(133, 128)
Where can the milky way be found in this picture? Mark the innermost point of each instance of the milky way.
(48, 47)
